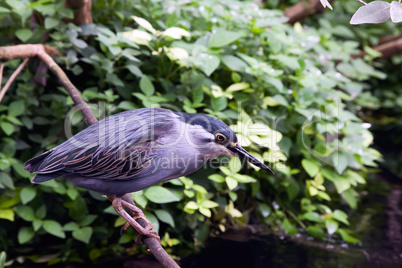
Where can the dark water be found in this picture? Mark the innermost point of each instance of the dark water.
(269, 252)
(378, 221)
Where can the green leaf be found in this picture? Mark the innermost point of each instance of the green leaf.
(134, 70)
(175, 32)
(243, 178)
(281, 100)
(191, 205)
(140, 199)
(350, 197)
(223, 37)
(4, 164)
(70, 226)
(235, 164)
(206, 62)
(51, 23)
(205, 211)
(144, 24)
(7, 128)
(356, 177)
(237, 87)
(292, 188)
(289, 227)
(341, 183)
(209, 204)
(6, 201)
(315, 231)
(340, 161)
(25, 234)
(41, 212)
(311, 167)
(331, 226)
(312, 216)
(340, 216)
(234, 63)
(199, 189)
(165, 217)
(54, 228)
(83, 234)
(160, 195)
(146, 86)
(7, 214)
(232, 183)
(264, 209)
(287, 61)
(219, 104)
(27, 194)
(6, 180)
(88, 220)
(25, 212)
(18, 168)
(36, 224)
(72, 193)
(151, 217)
(126, 105)
(346, 237)
(23, 34)
(4, 10)
(3, 255)
(216, 178)
(16, 108)
(77, 208)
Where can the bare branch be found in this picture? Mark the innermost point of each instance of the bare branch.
(44, 52)
(1, 73)
(387, 50)
(71, 89)
(362, 2)
(303, 9)
(12, 78)
(82, 11)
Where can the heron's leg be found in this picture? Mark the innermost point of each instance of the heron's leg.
(127, 197)
(137, 214)
(134, 211)
(117, 204)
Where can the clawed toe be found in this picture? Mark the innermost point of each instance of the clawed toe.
(135, 213)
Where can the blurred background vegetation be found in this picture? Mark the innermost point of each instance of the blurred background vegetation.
(297, 95)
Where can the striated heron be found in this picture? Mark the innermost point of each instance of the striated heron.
(132, 150)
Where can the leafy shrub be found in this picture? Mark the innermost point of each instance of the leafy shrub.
(290, 92)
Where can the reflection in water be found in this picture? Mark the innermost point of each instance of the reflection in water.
(378, 221)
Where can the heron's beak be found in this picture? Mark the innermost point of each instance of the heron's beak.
(243, 154)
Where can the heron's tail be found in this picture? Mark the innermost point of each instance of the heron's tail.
(39, 178)
(33, 165)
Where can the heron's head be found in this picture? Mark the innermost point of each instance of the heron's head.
(222, 139)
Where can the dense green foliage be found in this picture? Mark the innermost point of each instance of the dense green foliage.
(293, 94)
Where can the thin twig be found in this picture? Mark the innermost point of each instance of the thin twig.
(12, 77)
(44, 53)
(362, 2)
(69, 87)
(1, 73)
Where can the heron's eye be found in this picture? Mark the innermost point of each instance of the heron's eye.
(220, 137)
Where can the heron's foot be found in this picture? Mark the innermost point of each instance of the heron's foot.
(149, 232)
(125, 226)
(137, 213)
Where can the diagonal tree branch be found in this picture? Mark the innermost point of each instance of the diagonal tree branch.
(44, 53)
(303, 9)
(1, 73)
(82, 11)
(12, 77)
(388, 49)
